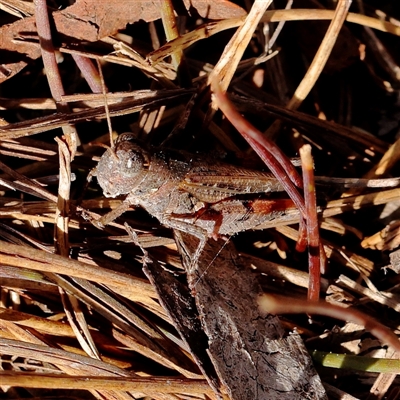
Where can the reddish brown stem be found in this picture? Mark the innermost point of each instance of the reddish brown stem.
(47, 49)
(301, 244)
(314, 260)
(89, 72)
(250, 133)
(268, 151)
(52, 72)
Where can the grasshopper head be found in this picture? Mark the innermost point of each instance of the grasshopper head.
(120, 168)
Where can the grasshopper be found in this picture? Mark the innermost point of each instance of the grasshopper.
(206, 198)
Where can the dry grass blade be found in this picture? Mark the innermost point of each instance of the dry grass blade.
(41, 261)
(76, 319)
(140, 336)
(57, 121)
(317, 64)
(18, 8)
(226, 66)
(387, 162)
(323, 127)
(171, 30)
(213, 28)
(34, 348)
(150, 386)
(321, 56)
(62, 212)
(335, 207)
(40, 324)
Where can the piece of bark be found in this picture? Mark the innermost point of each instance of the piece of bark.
(251, 354)
(92, 20)
(395, 261)
(176, 299)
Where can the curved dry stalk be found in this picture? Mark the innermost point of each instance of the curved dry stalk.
(286, 305)
(321, 57)
(317, 64)
(212, 28)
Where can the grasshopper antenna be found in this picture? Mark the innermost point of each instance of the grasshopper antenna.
(212, 261)
(104, 90)
(107, 110)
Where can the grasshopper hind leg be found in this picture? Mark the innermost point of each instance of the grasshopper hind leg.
(200, 234)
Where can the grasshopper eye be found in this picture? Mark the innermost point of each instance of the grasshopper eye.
(130, 162)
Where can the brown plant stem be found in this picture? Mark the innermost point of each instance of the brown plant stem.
(314, 245)
(89, 72)
(51, 67)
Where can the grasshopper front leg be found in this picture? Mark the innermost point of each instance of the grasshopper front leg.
(106, 219)
(112, 215)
